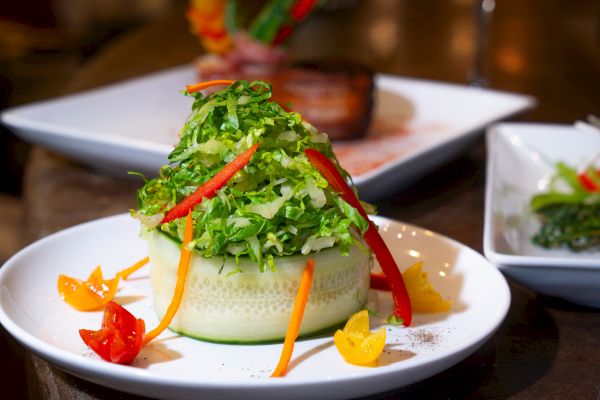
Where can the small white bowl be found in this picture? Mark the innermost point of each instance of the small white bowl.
(521, 158)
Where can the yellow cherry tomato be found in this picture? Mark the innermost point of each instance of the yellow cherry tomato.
(423, 297)
(88, 295)
(356, 343)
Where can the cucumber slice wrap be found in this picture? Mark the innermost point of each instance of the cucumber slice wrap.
(249, 306)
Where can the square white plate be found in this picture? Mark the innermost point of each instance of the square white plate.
(521, 159)
(133, 125)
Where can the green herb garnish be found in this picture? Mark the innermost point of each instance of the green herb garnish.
(570, 215)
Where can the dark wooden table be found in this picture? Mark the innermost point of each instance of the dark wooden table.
(546, 348)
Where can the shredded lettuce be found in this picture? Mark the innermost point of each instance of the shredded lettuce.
(278, 205)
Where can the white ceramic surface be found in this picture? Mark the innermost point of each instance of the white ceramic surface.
(521, 159)
(183, 368)
(132, 126)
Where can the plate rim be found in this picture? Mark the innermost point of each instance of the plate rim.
(528, 102)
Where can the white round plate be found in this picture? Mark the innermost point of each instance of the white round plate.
(181, 368)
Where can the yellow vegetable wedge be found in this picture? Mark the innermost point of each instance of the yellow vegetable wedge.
(356, 343)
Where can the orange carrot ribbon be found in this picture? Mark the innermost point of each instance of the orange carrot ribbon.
(205, 85)
(296, 319)
(182, 271)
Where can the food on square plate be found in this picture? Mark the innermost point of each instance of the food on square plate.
(570, 210)
(336, 96)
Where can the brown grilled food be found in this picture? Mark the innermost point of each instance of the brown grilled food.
(335, 96)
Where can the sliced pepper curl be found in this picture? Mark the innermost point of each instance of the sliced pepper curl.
(357, 344)
(393, 276)
(95, 292)
(91, 294)
(423, 296)
(120, 338)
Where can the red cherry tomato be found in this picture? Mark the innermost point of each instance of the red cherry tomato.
(120, 338)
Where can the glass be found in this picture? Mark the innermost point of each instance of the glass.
(484, 12)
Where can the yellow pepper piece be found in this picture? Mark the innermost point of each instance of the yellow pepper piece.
(356, 343)
(92, 294)
(423, 297)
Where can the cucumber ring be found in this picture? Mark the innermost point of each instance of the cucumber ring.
(252, 306)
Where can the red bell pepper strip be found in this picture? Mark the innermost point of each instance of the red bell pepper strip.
(301, 9)
(379, 282)
(120, 338)
(210, 187)
(587, 182)
(402, 306)
(282, 35)
(298, 12)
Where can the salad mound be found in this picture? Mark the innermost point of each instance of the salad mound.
(278, 205)
(253, 237)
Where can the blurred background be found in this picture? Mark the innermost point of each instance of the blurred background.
(43, 43)
(549, 49)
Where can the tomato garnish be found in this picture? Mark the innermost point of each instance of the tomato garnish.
(402, 306)
(95, 292)
(91, 294)
(356, 343)
(120, 338)
(423, 296)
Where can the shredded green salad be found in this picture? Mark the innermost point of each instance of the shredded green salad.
(278, 205)
(569, 211)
